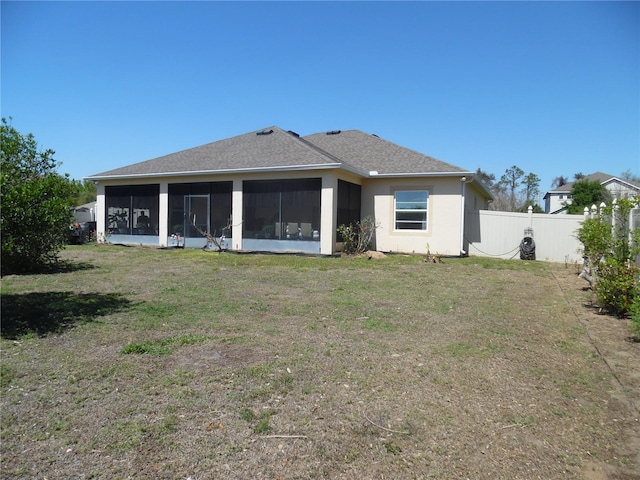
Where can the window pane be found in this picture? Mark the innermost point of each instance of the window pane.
(411, 216)
(411, 226)
(411, 200)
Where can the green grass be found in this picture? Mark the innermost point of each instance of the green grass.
(162, 346)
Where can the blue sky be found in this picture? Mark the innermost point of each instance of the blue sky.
(552, 87)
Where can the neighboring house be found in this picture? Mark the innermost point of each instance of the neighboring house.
(555, 201)
(85, 213)
(279, 192)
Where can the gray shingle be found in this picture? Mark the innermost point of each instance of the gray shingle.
(252, 150)
(370, 153)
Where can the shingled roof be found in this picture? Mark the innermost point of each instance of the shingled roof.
(371, 153)
(276, 149)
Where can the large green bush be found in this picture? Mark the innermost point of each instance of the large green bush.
(611, 248)
(36, 203)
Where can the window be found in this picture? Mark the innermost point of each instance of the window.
(410, 208)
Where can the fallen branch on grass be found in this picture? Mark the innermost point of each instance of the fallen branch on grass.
(514, 425)
(284, 436)
(383, 428)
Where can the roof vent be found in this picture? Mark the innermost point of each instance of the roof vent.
(333, 132)
(297, 135)
(265, 132)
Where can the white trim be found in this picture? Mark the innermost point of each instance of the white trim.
(320, 166)
(421, 174)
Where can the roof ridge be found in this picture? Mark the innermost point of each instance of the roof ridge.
(330, 155)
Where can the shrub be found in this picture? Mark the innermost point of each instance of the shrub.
(36, 203)
(611, 248)
(617, 286)
(634, 313)
(357, 236)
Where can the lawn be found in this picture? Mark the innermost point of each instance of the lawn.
(134, 362)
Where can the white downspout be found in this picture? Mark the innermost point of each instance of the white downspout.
(463, 180)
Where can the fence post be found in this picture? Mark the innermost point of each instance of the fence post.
(601, 209)
(586, 212)
(594, 209)
(530, 211)
(613, 216)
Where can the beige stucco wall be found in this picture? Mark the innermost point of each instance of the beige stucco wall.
(444, 215)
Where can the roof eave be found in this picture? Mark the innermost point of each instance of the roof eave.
(227, 171)
(374, 174)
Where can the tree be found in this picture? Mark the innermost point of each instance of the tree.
(511, 181)
(487, 179)
(531, 189)
(586, 193)
(87, 192)
(559, 181)
(629, 175)
(36, 203)
(506, 196)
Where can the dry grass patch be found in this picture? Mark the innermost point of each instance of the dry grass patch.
(264, 366)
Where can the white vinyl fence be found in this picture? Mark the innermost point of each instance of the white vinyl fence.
(499, 234)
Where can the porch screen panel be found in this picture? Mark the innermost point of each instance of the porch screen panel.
(132, 209)
(221, 198)
(219, 195)
(301, 208)
(282, 209)
(145, 209)
(349, 204)
(118, 209)
(176, 207)
(261, 208)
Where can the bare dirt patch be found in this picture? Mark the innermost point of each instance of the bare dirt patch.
(298, 367)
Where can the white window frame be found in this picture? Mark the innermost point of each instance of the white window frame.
(425, 211)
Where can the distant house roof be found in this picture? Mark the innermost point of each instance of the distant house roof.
(85, 207)
(276, 149)
(600, 177)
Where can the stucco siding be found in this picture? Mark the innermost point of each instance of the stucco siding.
(443, 215)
